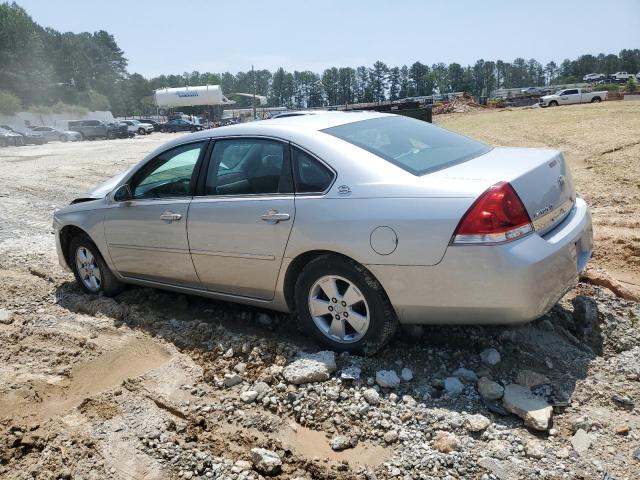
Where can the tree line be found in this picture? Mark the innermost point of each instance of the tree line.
(44, 67)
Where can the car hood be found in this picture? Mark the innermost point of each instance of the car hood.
(545, 97)
(102, 190)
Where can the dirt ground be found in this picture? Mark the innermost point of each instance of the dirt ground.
(157, 385)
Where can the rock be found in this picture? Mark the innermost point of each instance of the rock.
(387, 378)
(262, 388)
(249, 396)
(342, 442)
(466, 374)
(489, 389)
(445, 442)
(477, 422)
(623, 401)
(409, 400)
(535, 411)
(240, 367)
(453, 386)
(622, 430)
(391, 436)
(310, 368)
(534, 449)
(529, 378)
(498, 449)
(231, 379)
(6, 316)
(490, 356)
(350, 373)
(243, 465)
(406, 375)
(581, 441)
(636, 454)
(266, 461)
(371, 396)
(501, 470)
(264, 319)
(562, 453)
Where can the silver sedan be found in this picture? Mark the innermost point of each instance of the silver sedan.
(354, 222)
(52, 134)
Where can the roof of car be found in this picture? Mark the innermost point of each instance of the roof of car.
(324, 120)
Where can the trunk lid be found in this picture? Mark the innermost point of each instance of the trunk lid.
(540, 177)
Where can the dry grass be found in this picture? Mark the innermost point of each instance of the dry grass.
(602, 144)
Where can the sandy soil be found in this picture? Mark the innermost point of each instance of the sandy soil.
(134, 387)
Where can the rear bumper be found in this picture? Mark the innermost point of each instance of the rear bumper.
(511, 283)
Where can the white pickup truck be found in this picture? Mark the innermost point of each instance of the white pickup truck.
(571, 95)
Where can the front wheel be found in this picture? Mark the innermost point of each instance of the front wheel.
(553, 103)
(91, 272)
(343, 306)
(141, 131)
(63, 138)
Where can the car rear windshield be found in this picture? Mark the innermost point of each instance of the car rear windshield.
(413, 145)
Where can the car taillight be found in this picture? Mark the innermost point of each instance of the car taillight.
(497, 216)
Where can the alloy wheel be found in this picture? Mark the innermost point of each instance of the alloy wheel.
(339, 309)
(88, 269)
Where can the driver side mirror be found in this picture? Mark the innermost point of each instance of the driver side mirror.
(122, 193)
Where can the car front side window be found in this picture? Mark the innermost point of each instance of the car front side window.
(168, 175)
(248, 167)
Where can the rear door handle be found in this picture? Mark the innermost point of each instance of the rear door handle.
(170, 216)
(275, 217)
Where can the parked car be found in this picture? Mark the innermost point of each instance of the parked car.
(571, 95)
(179, 125)
(157, 126)
(52, 134)
(89, 129)
(135, 126)
(119, 130)
(622, 76)
(534, 91)
(594, 77)
(354, 221)
(28, 138)
(7, 137)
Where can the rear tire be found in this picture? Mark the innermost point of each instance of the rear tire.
(358, 317)
(91, 272)
(596, 100)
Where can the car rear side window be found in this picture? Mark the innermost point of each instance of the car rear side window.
(248, 166)
(413, 145)
(311, 176)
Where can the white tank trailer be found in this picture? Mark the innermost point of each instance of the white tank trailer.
(191, 96)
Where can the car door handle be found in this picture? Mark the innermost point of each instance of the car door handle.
(275, 216)
(170, 216)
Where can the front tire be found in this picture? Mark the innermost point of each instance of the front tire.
(341, 304)
(91, 272)
(553, 103)
(141, 131)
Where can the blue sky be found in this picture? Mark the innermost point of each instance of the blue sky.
(162, 36)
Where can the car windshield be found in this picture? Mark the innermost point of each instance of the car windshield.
(414, 145)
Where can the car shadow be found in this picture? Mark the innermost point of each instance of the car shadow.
(559, 347)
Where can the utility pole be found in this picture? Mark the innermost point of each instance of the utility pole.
(253, 76)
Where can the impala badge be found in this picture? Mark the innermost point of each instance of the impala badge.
(542, 211)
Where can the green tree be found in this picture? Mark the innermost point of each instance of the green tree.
(9, 103)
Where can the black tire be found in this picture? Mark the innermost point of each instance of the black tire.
(110, 286)
(383, 321)
(63, 138)
(553, 103)
(596, 100)
(141, 131)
